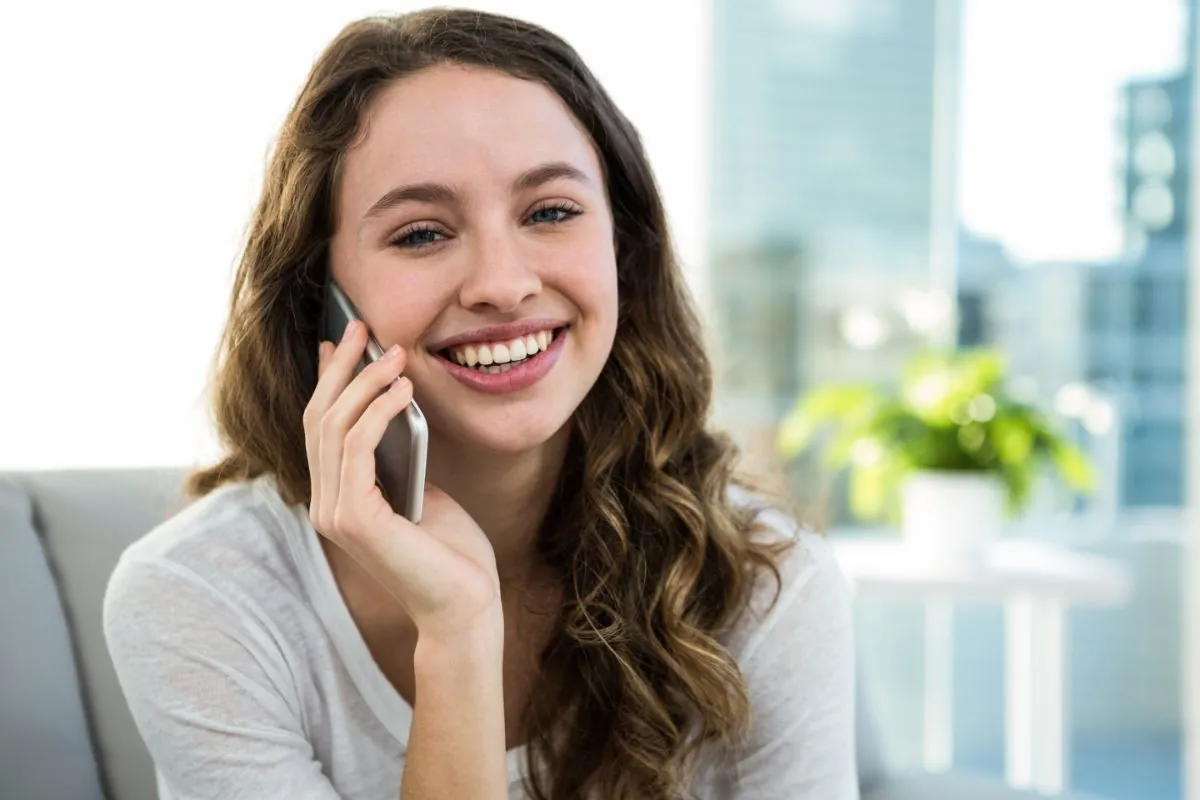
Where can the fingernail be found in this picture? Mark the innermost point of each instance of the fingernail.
(399, 383)
(392, 352)
(349, 329)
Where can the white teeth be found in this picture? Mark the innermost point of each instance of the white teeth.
(505, 368)
(486, 355)
(494, 370)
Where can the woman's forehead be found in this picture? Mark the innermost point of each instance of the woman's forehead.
(467, 127)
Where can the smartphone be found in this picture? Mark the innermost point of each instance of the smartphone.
(401, 455)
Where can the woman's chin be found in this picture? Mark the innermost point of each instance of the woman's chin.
(510, 437)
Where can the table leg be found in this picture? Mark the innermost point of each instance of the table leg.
(938, 745)
(1035, 701)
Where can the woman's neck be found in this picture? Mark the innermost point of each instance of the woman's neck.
(507, 494)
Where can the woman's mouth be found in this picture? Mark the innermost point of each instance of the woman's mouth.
(504, 366)
(496, 358)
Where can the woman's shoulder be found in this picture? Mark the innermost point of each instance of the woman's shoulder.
(803, 548)
(806, 590)
(236, 540)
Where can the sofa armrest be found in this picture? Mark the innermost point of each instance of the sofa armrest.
(45, 747)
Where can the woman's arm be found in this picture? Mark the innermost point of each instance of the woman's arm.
(441, 571)
(211, 692)
(456, 748)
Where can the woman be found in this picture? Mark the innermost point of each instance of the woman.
(589, 607)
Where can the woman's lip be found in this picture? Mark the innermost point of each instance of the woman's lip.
(522, 376)
(499, 333)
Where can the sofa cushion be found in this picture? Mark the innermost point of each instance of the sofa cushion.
(45, 749)
(86, 519)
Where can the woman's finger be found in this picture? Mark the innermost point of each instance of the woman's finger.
(339, 368)
(358, 461)
(361, 391)
(335, 372)
(337, 421)
(310, 414)
(323, 350)
(312, 442)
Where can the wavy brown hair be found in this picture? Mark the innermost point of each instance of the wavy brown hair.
(655, 560)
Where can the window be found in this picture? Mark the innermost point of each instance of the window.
(1027, 163)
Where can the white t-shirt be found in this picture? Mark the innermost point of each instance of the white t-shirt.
(248, 678)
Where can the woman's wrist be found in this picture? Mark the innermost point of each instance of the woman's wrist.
(480, 645)
(457, 744)
(478, 635)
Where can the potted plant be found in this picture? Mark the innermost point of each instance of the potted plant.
(949, 454)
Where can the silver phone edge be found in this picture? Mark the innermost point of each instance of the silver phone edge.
(418, 432)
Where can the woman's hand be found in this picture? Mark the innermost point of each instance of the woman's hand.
(442, 571)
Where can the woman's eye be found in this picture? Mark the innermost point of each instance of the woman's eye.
(553, 214)
(421, 237)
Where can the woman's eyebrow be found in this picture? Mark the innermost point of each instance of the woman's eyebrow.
(447, 195)
(414, 193)
(544, 173)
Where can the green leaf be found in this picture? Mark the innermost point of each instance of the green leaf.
(818, 408)
(873, 421)
(939, 386)
(1073, 466)
(980, 370)
(1012, 437)
(972, 437)
(1018, 480)
(868, 490)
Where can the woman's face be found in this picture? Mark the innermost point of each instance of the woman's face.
(474, 231)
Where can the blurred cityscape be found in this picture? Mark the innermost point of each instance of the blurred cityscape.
(837, 247)
(1116, 328)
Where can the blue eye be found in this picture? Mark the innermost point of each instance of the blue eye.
(554, 214)
(416, 238)
(424, 235)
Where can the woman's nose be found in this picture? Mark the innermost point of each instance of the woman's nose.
(499, 277)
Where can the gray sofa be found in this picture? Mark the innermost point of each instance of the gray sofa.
(65, 731)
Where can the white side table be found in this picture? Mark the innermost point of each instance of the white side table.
(1037, 582)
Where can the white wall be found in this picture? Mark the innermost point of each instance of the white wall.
(132, 144)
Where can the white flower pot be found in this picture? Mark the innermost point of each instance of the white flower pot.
(951, 516)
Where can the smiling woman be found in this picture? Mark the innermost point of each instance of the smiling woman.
(592, 605)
